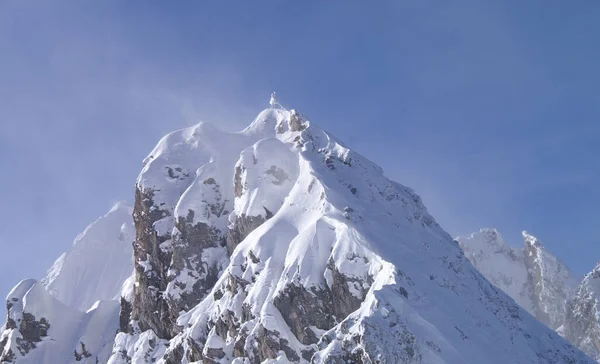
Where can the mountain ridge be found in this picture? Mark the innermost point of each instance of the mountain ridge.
(548, 290)
(280, 244)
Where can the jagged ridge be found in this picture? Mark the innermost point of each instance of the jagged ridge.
(280, 244)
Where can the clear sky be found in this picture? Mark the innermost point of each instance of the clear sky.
(490, 110)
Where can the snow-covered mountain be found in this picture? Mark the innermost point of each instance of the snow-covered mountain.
(503, 265)
(532, 276)
(541, 284)
(582, 321)
(100, 260)
(279, 244)
(74, 311)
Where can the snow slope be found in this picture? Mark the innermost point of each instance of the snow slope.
(279, 244)
(41, 329)
(74, 311)
(503, 265)
(97, 264)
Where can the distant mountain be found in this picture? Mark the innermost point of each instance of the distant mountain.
(276, 244)
(539, 282)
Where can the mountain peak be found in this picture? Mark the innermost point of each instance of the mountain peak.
(280, 244)
(531, 240)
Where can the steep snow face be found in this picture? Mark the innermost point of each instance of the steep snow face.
(41, 329)
(322, 259)
(98, 263)
(503, 265)
(551, 282)
(582, 321)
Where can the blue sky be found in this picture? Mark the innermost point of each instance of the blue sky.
(489, 110)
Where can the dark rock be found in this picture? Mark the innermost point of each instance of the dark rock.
(243, 226)
(124, 316)
(175, 355)
(187, 250)
(33, 330)
(238, 186)
(149, 306)
(213, 355)
(296, 122)
(344, 302)
(267, 345)
(301, 309)
(84, 353)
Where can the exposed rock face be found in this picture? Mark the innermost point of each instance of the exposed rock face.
(174, 271)
(31, 331)
(550, 280)
(582, 321)
(302, 309)
(532, 276)
(23, 330)
(241, 227)
(150, 308)
(549, 286)
(503, 265)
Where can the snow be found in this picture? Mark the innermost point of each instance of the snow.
(97, 264)
(535, 278)
(555, 283)
(501, 264)
(331, 212)
(270, 170)
(68, 327)
(341, 209)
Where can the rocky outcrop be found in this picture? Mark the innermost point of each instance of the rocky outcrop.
(241, 227)
(550, 280)
(174, 271)
(541, 284)
(193, 269)
(302, 309)
(31, 330)
(582, 321)
(150, 308)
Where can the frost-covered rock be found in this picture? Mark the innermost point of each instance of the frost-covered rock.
(541, 284)
(532, 276)
(582, 321)
(503, 265)
(551, 282)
